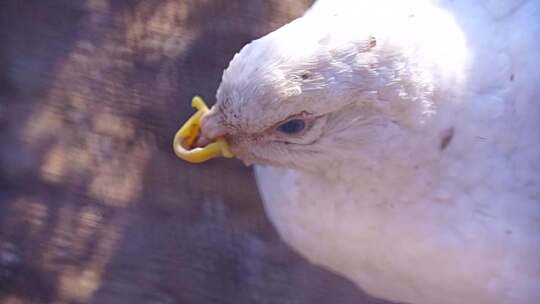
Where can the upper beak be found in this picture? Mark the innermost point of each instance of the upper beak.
(192, 146)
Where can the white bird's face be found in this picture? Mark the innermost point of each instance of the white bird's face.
(306, 104)
(294, 141)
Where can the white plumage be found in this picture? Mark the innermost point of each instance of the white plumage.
(418, 174)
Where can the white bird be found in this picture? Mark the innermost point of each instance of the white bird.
(398, 143)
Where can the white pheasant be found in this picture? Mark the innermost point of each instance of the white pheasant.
(399, 143)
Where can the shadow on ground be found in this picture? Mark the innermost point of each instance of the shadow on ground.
(94, 207)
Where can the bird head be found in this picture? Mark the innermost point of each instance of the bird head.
(312, 99)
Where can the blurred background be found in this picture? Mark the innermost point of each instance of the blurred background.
(94, 206)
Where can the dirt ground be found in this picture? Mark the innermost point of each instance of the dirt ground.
(94, 206)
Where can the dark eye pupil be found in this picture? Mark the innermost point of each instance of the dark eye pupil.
(293, 126)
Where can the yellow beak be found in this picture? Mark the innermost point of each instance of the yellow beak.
(188, 133)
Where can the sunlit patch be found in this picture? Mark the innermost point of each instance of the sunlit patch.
(61, 162)
(118, 185)
(40, 124)
(78, 284)
(54, 166)
(151, 31)
(89, 222)
(113, 126)
(34, 212)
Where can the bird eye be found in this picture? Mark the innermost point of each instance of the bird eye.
(292, 126)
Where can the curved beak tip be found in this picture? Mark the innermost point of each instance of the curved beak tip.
(186, 137)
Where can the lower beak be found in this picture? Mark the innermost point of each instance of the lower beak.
(186, 139)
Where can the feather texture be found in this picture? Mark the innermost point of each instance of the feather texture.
(442, 206)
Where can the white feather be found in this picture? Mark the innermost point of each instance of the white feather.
(409, 217)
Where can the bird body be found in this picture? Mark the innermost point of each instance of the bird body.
(413, 167)
(456, 217)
